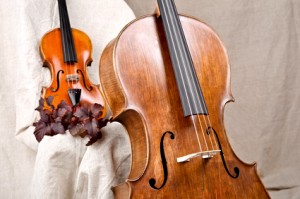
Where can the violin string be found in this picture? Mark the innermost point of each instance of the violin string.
(71, 64)
(181, 75)
(62, 31)
(67, 39)
(70, 42)
(187, 69)
(66, 42)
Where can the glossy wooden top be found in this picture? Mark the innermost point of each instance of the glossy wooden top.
(139, 83)
(52, 53)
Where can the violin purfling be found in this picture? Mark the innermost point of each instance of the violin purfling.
(67, 52)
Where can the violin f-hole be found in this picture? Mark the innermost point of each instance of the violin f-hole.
(152, 181)
(90, 87)
(57, 78)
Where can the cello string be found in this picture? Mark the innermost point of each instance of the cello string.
(196, 131)
(202, 108)
(213, 135)
(193, 118)
(181, 75)
(219, 175)
(213, 170)
(191, 73)
(193, 76)
(207, 121)
(186, 68)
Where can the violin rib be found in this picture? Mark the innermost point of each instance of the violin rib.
(67, 53)
(67, 76)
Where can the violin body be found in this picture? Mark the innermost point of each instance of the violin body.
(66, 75)
(139, 83)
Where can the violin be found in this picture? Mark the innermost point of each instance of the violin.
(67, 52)
(167, 80)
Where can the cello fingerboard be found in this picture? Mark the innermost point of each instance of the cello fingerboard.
(191, 96)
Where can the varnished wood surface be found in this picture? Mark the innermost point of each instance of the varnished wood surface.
(138, 81)
(52, 53)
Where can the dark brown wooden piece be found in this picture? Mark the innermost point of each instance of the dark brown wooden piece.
(139, 84)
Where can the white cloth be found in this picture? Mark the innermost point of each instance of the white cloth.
(66, 168)
(262, 38)
(60, 166)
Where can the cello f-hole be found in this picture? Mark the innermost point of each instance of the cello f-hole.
(152, 181)
(236, 169)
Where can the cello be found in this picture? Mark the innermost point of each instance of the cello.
(167, 80)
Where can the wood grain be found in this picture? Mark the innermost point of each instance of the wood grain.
(52, 53)
(139, 84)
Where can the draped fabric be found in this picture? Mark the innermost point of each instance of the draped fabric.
(262, 125)
(60, 166)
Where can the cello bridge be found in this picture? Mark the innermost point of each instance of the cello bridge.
(203, 154)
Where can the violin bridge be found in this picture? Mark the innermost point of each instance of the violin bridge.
(73, 78)
(203, 154)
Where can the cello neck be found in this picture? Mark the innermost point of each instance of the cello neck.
(191, 96)
(66, 33)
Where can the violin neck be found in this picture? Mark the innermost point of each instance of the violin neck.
(66, 33)
(191, 96)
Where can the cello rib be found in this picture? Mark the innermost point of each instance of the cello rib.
(138, 81)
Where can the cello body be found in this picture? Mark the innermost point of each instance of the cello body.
(138, 81)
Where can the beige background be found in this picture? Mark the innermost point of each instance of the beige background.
(262, 38)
